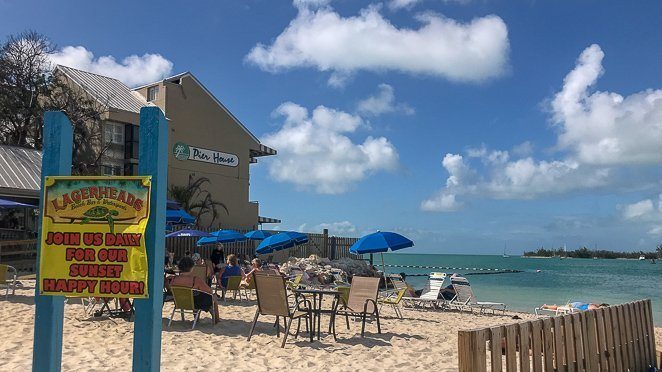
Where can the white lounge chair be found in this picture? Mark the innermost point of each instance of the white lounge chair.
(465, 298)
(8, 275)
(546, 310)
(430, 295)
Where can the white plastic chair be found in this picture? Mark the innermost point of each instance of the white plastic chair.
(8, 276)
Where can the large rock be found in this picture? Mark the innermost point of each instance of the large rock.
(320, 270)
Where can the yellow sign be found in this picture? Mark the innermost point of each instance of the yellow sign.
(92, 237)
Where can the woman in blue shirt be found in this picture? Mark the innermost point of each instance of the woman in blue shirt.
(232, 269)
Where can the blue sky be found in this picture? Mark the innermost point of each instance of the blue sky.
(462, 124)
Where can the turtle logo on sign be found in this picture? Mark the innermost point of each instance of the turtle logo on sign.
(181, 151)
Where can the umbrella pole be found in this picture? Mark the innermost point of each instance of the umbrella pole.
(383, 267)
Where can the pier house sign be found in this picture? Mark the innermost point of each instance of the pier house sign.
(182, 151)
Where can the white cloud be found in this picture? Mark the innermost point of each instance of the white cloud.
(315, 152)
(523, 149)
(442, 202)
(321, 38)
(523, 178)
(600, 135)
(383, 102)
(133, 70)
(605, 128)
(341, 228)
(648, 212)
(408, 4)
(638, 209)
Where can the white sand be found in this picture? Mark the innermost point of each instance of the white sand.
(423, 340)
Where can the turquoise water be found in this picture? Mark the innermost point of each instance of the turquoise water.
(586, 280)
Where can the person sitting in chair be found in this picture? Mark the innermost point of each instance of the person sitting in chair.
(204, 297)
(231, 269)
(256, 265)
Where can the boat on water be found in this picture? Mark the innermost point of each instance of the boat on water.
(504, 251)
(642, 257)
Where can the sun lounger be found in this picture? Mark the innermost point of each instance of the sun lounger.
(8, 275)
(549, 310)
(465, 298)
(429, 298)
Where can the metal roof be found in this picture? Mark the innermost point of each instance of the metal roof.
(20, 168)
(105, 89)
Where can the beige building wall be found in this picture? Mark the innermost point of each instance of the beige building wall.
(196, 119)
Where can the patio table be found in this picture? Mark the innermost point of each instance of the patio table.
(318, 296)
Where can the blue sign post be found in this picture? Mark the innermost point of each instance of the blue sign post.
(153, 161)
(49, 310)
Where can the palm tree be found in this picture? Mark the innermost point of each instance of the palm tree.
(196, 199)
(659, 250)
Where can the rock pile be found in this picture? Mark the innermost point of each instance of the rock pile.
(319, 270)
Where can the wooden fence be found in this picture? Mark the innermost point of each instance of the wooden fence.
(615, 338)
(323, 245)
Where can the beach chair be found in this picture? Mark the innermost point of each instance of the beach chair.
(183, 298)
(295, 283)
(8, 275)
(234, 285)
(393, 299)
(362, 302)
(201, 272)
(272, 300)
(338, 279)
(248, 288)
(465, 298)
(429, 298)
(553, 310)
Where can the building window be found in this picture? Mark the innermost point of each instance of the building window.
(131, 137)
(114, 133)
(111, 170)
(153, 93)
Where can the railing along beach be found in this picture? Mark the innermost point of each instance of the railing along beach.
(613, 338)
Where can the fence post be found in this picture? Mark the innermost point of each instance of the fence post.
(153, 161)
(471, 351)
(49, 310)
(334, 248)
(325, 243)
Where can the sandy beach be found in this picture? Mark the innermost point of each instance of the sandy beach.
(423, 340)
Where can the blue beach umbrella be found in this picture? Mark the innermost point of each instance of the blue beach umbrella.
(187, 233)
(172, 204)
(178, 217)
(258, 234)
(380, 242)
(222, 236)
(280, 241)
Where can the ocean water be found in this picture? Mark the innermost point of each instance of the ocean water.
(559, 281)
